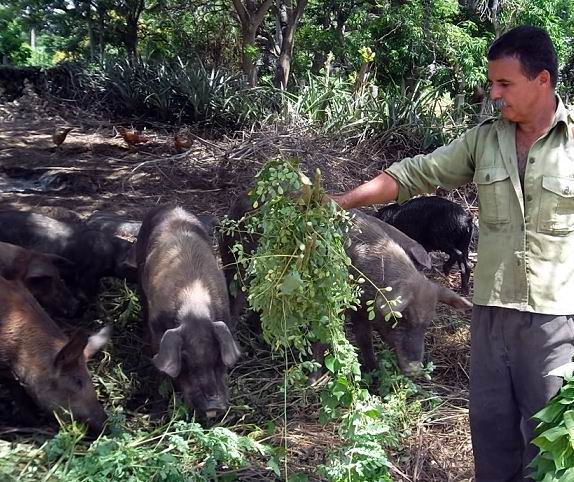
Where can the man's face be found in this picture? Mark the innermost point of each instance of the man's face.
(514, 93)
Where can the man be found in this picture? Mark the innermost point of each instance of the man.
(523, 166)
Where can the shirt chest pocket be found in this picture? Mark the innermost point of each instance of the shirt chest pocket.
(494, 190)
(556, 211)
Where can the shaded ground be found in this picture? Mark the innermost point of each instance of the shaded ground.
(95, 170)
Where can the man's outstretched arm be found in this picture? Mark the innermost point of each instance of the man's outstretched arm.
(379, 190)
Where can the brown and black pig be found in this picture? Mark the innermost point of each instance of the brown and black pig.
(186, 306)
(380, 259)
(50, 366)
(41, 274)
(95, 254)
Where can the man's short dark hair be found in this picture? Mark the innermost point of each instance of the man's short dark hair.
(532, 47)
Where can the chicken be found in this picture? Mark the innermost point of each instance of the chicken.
(132, 138)
(59, 135)
(182, 143)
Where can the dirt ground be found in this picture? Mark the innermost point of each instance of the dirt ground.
(95, 170)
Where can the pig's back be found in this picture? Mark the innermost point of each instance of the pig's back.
(23, 322)
(377, 257)
(179, 264)
(35, 231)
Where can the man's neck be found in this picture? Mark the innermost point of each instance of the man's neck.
(541, 118)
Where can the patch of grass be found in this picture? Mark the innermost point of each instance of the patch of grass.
(173, 450)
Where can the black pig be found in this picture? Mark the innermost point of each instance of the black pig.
(235, 273)
(437, 224)
(95, 254)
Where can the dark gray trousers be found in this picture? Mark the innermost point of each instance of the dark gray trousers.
(511, 353)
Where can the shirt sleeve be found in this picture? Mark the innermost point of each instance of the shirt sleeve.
(448, 166)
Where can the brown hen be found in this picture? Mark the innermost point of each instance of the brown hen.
(132, 138)
(59, 135)
(182, 143)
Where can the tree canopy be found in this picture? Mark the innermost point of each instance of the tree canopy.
(442, 42)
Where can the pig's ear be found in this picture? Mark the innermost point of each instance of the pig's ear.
(419, 256)
(168, 359)
(229, 350)
(38, 268)
(98, 341)
(48, 266)
(72, 352)
(63, 264)
(449, 297)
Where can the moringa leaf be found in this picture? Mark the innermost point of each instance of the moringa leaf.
(291, 283)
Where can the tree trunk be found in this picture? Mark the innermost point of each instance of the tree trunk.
(361, 80)
(284, 62)
(427, 8)
(247, 60)
(101, 30)
(250, 17)
(319, 59)
(131, 11)
(131, 37)
(33, 38)
(494, 18)
(91, 37)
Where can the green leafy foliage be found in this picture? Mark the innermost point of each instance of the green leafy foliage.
(13, 45)
(331, 104)
(555, 437)
(175, 451)
(299, 282)
(179, 91)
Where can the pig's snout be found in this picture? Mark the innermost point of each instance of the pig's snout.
(94, 417)
(97, 421)
(411, 368)
(215, 406)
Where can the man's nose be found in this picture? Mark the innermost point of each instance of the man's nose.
(494, 92)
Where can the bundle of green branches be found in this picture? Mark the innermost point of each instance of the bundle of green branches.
(301, 285)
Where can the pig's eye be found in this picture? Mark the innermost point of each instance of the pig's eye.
(78, 383)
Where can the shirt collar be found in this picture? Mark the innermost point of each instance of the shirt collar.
(563, 116)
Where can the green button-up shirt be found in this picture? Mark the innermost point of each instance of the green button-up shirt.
(526, 239)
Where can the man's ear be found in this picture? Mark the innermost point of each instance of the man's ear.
(544, 78)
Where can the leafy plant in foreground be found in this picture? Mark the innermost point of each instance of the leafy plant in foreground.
(555, 434)
(173, 452)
